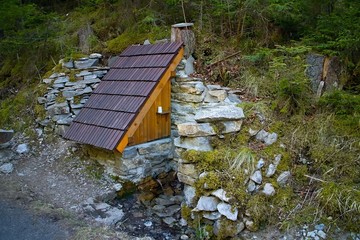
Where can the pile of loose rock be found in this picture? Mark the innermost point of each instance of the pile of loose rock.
(10, 151)
(68, 92)
(201, 113)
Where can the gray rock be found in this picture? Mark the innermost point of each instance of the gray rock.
(217, 95)
(58, 85)
(188, 170)
(195, 143)
(189, 98)
(86, 90)
(58, 108)
(271, 138)
(321, 234)
(129, 152)
(320, 227)
(256, 177)
(271, 170)
(233, 98)
(7, 168)
(194, 88)
(268, 190)
(227, 211)
(183, 222)
(66, 120)
(212, 215)
(60, 129)
(6, 155)
(250, 225)
(283, 178)
(267, 138)
(260, 164)
(117, 187)
(158, 146)
(213, 87)
(231, 126)
(95, 55)
(189, 194)
(76, 106)
(22, 148)
(207, 204)
(111, 217)
(169, 220)
(251, 186)
(277, 159)
(186, 179)
(91, 80)
(148, 223)
(41, 100)
(189, 65)
(193, 129)
(314, 69)
(146, 42)
(47, 80)
(86, 63)
(70, 94)
(184, 237)
(83, 73)
(219, 113)
(61, 80)
(69, 64)
(221, 194)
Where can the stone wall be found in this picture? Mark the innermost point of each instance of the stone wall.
(68, 91)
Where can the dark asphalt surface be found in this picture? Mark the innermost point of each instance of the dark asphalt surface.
(19, 224)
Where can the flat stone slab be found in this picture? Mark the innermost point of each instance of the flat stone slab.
(192, 129)
(195, 143)
(219, 113)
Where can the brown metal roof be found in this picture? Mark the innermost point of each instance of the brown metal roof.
(117, 100)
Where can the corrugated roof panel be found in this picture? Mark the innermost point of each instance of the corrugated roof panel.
(125, 88)
(115, 102)
(134, 74)
(120, 95)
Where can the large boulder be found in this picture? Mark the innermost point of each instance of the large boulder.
(194, 143)
(193, 129)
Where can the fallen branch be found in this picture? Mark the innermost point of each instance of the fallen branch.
(232, 55)
(315, 178)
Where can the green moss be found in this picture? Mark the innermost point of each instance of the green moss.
(72, 77)
(211, 180)
(39, 111)
(258, 208)
(227, 229)
(77, 99)
(60, 98)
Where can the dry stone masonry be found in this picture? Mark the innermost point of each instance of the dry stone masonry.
(68, 92)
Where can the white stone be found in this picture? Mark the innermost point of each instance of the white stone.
(148, 223)
(194, 143)
(277, 159)
(189, 194)
(251, 186)
(268, 190)
(260, 163)
(283, 178)
(192, 129)
(212, 215)
(111, 217)
(226, 210)
(189, 65)
(221, 194)
(95, 55)
(183, 222)
(7, 168)
(186, 179)
(271, 138)
(232, 126)
(250, 225)
(271, 170)
(256, 177)
(219, 113)
(22, 148)
(321, 234)
(207, 204)
(117, 187)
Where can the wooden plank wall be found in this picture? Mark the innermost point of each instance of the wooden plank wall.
(154, 125)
